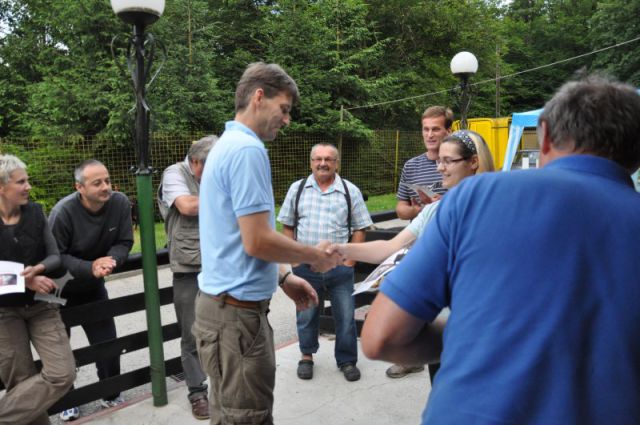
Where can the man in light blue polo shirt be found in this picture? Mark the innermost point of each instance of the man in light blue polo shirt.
(240, 249)
(540, 269)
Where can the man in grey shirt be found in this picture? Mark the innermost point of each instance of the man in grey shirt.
(178, 200)
(92, 227)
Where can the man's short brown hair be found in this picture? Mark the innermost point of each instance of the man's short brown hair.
(439, 111)
(269, 77)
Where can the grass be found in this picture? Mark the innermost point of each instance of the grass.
(375, 203)
(382, 202)
(161, 238)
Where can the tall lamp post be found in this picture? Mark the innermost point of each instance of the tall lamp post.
(463, 66)
(140, 53)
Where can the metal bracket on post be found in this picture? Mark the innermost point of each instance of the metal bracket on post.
(462, 94)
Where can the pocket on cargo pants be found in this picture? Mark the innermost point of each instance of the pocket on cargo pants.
(208, 344)
(249, 359)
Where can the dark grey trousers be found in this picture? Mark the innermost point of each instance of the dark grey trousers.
(185, 288)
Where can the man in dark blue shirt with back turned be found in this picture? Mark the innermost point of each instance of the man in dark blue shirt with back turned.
(540, 269)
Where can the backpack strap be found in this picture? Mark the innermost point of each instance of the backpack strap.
(348, 199)
(296, 214)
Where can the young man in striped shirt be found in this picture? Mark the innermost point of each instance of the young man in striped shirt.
(422, 170)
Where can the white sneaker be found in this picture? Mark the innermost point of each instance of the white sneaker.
(112, 403)
(70, 414)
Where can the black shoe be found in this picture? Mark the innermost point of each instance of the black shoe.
(350, 371)
(305, 369)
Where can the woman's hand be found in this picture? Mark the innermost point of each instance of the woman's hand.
(30, 272)
(40, 284)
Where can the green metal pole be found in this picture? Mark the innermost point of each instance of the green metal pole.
(151, 294)
(147, 226)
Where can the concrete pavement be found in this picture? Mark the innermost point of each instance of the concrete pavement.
(327, 399)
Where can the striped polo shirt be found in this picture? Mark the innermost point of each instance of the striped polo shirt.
(419, 170)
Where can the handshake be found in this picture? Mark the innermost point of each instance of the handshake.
(329, 256)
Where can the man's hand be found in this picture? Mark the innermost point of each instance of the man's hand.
(103, 266)
(40, 284)
(417, 203)
(326, 261)
(300, 291)
(424, 199)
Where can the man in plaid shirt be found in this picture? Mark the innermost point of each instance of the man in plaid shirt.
(320, 211)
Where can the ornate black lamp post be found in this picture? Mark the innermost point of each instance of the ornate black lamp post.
(463, 65)
(140, 55)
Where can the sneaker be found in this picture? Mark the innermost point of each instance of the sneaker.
(305, 369)
(107, 404)
(350, 371)
(70, 414)
(200, 408)
(399, 370)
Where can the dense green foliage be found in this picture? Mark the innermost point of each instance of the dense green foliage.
(57, 76)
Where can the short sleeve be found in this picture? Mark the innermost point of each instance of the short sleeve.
(420, 283)
(404, 193)
(251, 189)
(173, 185)
(418, 225)
(360, 217)
(285, 216)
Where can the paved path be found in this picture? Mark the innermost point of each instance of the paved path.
(327, 399)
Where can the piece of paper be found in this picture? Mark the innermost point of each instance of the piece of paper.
(11, 281)
(54, 297)
(375, 278)
(425, 190)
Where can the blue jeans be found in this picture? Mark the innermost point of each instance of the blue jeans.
(339, 284)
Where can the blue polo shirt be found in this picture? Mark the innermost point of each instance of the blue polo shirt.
(236, 181)
(540, 269)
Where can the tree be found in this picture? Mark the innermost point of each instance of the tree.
(538, 33)
(332, 52)
(612, 23)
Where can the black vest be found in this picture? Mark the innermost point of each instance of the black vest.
(26, 246)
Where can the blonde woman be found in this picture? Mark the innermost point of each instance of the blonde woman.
(25, 238)
(462, 154)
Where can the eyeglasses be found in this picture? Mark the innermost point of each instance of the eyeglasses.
(328, 160)
(445, 162)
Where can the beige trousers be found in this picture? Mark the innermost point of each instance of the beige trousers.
(236, 349)
(30, 393)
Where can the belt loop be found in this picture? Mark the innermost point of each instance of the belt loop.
(223, 299)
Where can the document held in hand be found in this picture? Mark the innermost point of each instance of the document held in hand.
(373, 281)
(11, 281)
(426, 190)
